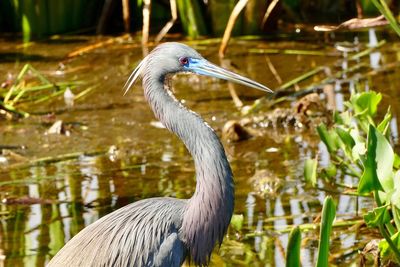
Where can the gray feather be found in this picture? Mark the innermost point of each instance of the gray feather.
(130, 236)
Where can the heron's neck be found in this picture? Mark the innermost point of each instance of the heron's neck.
(209, 211)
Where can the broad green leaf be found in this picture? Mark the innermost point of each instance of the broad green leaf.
(328, 137)
(376, 217)
(366, 103)
(237, 221)
(369, 180)
(384, 160)
(293, 248)
(310, 171)
(327, 218)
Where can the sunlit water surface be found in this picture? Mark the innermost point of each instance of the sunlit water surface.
(126, 156)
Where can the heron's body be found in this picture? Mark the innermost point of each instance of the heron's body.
(164, 231)
(144, 233)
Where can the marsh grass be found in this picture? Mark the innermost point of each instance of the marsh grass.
(31, 87)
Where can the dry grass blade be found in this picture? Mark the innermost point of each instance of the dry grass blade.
(146, 22)
(170, 23)
(126, 15)
(271, 7)
(231, 22)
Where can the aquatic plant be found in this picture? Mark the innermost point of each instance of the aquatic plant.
(360, 147)
(30, 86)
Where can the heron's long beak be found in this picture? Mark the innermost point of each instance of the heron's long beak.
(204, 67)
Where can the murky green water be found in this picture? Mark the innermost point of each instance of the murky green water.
(125, 156)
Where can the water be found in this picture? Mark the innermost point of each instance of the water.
(120, 154)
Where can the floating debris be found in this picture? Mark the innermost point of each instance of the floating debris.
(354, 24)
(69, 97)
(113, 153)
(58, 128)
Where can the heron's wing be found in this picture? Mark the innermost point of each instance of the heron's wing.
(138, 234)
(170, 252)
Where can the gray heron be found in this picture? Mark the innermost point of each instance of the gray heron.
(164, 231)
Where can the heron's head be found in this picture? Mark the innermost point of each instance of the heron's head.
(173, 57)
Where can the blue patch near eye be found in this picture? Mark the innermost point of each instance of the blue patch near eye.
(190, 62)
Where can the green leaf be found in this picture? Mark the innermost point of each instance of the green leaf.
(385, 10)
(396, 216)
(384, 125)
(396, 162)
(342, 118)
(385, 251)
(376, 217)
(293, 248)
(345, 137)
(384, 160)
(359, 150)
(369, 180)
(366, 103)
(328, 216)
(331, 170)
(310, 171)
(347, 142)
(237, 221)
(328, 137)
(395, 197)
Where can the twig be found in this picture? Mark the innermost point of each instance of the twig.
(231, 22)
(271, 7)
(170, 23)
(273, 70)
(126, 15)
(146, 22)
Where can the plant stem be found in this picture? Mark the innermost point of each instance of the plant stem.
(390, 242)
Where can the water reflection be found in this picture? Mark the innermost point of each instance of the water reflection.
(44, 205)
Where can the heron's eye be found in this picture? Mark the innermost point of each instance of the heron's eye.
(184, 61)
